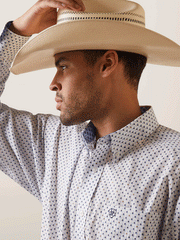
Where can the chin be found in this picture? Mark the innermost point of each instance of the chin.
(67, 121)
(71, 121)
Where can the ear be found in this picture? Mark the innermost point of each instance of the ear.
(109, 63)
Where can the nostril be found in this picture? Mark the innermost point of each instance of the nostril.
(53, 88)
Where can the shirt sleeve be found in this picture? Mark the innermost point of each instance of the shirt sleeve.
(21, 133)
(171, 223)
(10, 43)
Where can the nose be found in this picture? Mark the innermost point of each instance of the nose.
(55, 84)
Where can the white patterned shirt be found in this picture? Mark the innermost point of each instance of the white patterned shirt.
(127, 187)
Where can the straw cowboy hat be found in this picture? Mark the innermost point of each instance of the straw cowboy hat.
(105, 24)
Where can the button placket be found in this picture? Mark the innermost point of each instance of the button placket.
(76, 185)
(94, 168)
(85, 195)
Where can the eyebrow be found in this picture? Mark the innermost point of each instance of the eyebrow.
(61, 59)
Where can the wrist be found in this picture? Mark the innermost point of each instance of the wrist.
(12, 27)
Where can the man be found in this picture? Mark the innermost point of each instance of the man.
(116, 176)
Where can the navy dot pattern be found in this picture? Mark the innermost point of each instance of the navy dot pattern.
(124, 186)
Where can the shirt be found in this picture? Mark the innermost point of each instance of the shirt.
(125, 187)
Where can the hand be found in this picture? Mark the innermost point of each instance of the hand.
(43, 14)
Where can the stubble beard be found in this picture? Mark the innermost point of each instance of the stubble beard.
(73, 116)
(82, 111)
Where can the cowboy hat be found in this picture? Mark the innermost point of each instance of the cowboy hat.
(105, 24)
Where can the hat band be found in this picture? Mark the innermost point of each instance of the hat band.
(127, 17)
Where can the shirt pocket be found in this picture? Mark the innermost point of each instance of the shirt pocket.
(113, 221)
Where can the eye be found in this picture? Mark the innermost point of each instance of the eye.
(63, 67)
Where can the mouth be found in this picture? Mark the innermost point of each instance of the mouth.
(59, 103)
(57, 99)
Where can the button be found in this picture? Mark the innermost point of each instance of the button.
(95, 169)
(82, 213)
(117, 154)
(84, 152)
(90, 153)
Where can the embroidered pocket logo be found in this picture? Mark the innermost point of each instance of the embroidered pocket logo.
(112, 212)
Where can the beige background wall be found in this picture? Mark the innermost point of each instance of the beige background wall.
(20, 213)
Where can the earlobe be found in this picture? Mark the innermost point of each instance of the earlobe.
(105, 72)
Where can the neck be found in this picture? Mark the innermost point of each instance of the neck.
(116, 117)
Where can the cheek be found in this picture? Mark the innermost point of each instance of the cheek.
(71, 94)
(72, 83)
(78, 87)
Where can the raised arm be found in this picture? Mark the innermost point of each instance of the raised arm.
(23, 135)
(42, 15)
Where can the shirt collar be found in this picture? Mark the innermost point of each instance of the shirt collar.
(135, 132)
(126, 137)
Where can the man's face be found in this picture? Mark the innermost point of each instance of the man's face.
(78, 88)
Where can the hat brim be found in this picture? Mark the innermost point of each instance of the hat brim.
(38, 53)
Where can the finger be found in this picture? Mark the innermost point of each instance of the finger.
(55, 3)
(61, 4)
(43, 4)
(77, 5)
(80, 2)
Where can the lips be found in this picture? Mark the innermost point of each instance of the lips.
(59, 103)
(58, 99)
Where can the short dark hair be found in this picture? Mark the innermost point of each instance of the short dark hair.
(133, 63)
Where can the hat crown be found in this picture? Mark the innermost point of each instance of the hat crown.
(106, 10)
(113, 6)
